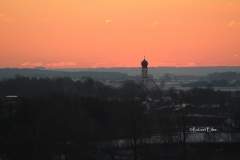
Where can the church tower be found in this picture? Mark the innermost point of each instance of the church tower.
(145, 78)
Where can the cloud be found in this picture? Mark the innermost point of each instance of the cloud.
(108, 20)
(163, 64)
(25, 64)
(231, 24)
(9, 19)
(154, 23)
(235, 55)
(96, 65)
(36, 64)
(210, 64)
(31, 64)
(191, 64)
(127, 65)
(61, 64)
(6, 19)
(118, 65)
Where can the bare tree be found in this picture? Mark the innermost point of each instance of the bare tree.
(134, 123)
(181, 119)
(212, 136)
(166, 128)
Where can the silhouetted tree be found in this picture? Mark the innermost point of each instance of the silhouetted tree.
(134, 124)
(181, 117)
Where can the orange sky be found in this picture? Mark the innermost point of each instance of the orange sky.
(117, 33)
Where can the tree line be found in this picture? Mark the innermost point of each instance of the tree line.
(229, 76)
(213, 83)
(76, 120)
(42, 73)
(73, 127)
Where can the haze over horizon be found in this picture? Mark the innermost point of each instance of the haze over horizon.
(96, 34)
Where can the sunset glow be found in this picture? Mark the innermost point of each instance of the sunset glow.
(118, 33)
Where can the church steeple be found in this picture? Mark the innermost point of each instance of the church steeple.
(145, 72)
(144, 63)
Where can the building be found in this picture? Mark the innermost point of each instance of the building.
(148, 82)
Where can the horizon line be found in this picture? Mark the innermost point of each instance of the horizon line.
(42, 67)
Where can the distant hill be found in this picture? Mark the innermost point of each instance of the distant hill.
(160, 71)
(12, 72)
(115, 73)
